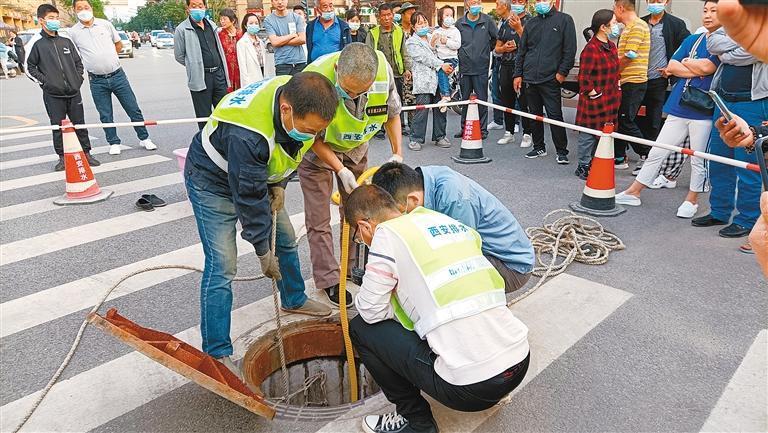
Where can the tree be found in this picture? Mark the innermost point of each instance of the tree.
(155, 16)
(97, 5)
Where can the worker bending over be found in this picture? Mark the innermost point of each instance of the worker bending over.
(426, 273)
(368, 100)
(439, 188)
(236, 169)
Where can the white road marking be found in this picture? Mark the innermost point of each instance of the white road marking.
(31, 146)
(23, 162)
(743, 406)
(18, 135)
(28, 181)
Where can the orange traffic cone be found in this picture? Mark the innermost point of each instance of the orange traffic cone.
(82, 187)
(472, 141)
(599, 198)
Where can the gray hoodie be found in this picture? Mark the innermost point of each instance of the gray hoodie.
(721, 45)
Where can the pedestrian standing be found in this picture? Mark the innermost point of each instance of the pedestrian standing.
(229, 34)
(199, 50)
(634, 51)
(545, 56)
(505, 52)
(446, 40)
(600, 94)
(4, 50)
(251, 52)
(99, 43)
(54, 64)
(286, 33)
(407, 10)
(326, 33)
(478, 38)
(357, 32)
(18, 47)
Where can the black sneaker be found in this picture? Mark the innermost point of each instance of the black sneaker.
(93, 162)
(394, 423)
(380, 135)
(582, 171)
(707, 221)
(459, 134)
(59, 165)
(536, 153)
(562, 159)
(333, 295)
(734, 231)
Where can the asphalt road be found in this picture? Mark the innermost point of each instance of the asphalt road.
(664, 337)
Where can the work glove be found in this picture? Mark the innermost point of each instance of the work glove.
(270, 267)
(276, 198)
(395, 158)
(347, 179)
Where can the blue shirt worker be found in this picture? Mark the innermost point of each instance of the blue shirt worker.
(236, 169)
(287, 34)
(441, 189)
(327, 33)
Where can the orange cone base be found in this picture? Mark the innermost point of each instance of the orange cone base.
(599, 207)
(66, 201)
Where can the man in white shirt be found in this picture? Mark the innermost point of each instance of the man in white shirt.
(99, 43)
(432, 315)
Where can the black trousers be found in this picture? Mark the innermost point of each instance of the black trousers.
(421, 118)
(206, 100)
(632, 95)
(402, 365)
(508, 95)
(400, 87)
(477, 84)
(59, 109)
(546, 96)
(655, 96)
(522, 101)
(289, 69)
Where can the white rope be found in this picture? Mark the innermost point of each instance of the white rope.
(278, 322)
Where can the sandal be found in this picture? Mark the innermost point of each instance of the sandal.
(154, 200)
(144, 204)
(747, 249)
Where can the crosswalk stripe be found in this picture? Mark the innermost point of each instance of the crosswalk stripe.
(26, 146)
(558, 315)
(23, 162)
(742, 407)
(50, 242)
(18, 135)
(45, 205)
(24, 182)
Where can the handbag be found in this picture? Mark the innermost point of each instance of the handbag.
(693, 97)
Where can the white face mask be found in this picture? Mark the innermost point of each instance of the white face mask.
(354, 26)
(85, 15)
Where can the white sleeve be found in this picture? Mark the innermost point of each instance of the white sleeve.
(373, 301)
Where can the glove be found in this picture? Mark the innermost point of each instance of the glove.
(276, 198)
(270, 267)
(395, 158)
(347, 179)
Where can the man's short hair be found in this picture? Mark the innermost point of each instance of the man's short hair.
(359, 60)
(368, 201)
(299, 8)
(384, 7)
(311, 92)
(398, 180)
(205, 2)
(44, 9)
(75, 2)
(626, 4)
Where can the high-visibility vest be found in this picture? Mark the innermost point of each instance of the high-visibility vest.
(397, 45)
(346, 132)
(460, 280)
(251, 107)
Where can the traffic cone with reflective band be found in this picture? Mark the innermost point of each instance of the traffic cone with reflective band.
(599, 197)
(472, 141)
(82, 187)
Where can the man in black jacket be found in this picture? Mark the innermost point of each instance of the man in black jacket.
(546, 54)
(55, 65)
(18, 47)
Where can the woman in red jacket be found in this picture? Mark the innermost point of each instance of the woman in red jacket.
(229, 34)
(599, 91)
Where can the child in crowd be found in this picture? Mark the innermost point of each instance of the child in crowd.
(446, 41)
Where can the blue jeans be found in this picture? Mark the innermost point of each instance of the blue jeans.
(726, 180)
(498, 115)
(102, 90)
(216, 217)
(443, 82)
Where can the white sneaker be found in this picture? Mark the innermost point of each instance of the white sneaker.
(662, 182)
(517, 128)
(506, 139)
(627, 199)
(687, 210)
(115, 149)
(527, 141)
(147, 144)
(494, 125)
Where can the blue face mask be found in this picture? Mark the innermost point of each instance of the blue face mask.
(615, 31)
(327, 16)
(296, 134)
(253, 29)
(543, 8)
(518, 9)
(475, 9)
(342, 93)
(422, 31)
(398, 17)
(656, 8)
(53, 25)
(197, 15)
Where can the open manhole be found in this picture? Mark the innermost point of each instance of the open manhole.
(317, 369)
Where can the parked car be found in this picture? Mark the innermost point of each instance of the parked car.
(153, 37)
(127, 50)
(164, 40)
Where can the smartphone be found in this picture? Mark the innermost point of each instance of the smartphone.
(721, 105)
(761, 161)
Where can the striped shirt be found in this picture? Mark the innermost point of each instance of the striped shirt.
(635, 37)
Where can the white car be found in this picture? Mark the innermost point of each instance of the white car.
(164, 40)
(153, 37)
(127, 50)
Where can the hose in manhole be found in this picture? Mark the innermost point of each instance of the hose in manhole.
(317, 369)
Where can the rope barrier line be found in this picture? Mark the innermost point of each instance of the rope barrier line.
(437, 105)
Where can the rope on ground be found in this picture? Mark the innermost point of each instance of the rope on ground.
(568, 238)
(278, 322)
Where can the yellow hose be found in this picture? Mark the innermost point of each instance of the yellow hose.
(352, 370)
(336, 197)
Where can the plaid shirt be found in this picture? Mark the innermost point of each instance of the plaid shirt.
(598, 71)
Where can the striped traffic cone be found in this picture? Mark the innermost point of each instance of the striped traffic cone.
(599, 198)
(472, 141)
(82, 187)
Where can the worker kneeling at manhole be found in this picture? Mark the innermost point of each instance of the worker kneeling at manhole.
(429, 290)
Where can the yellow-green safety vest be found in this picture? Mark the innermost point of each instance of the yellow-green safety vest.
(397, 44)
(346, 132)
(251, 108)
(461, 281)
